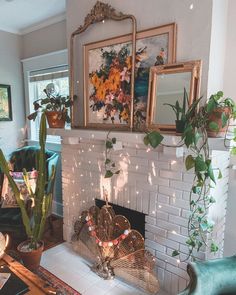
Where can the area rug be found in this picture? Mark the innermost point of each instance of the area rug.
(61, 287)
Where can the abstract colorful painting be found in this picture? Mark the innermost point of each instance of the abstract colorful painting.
(108, 75)
(5, 103)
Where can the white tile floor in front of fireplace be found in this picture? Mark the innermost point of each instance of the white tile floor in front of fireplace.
(67, 265)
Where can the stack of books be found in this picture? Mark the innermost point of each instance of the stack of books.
(10, 284)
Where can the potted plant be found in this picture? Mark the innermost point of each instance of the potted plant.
(220, 111)
(195, 138)
(180, 120)
(55, 107)
(31, 250)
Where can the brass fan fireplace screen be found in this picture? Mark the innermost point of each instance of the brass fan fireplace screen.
(107, 240)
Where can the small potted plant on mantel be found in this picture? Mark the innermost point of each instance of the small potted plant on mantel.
(180, 112)
(54, 105)
(31, 250)
(220, 111)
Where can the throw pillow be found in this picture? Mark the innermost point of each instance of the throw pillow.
(9, 200)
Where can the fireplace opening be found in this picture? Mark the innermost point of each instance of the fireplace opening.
(136, 219)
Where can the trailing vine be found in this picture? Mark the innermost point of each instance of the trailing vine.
(110, 166)
(195, 138)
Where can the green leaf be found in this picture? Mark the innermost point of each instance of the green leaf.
(212, 200)
(107, 161)
(113, 165)
(175, 253)
(154, 138)
(220, 94)
(204, 225)
(214, 126)
(146, 140)
(200, 165)
(108, 174)
(214, 248)
(233, 151)
(113, 140)
(190, 242)
(224, 118)
(32, 116)
(188, 136)
(109, 144)
(189, 162)
(211, 105)
(117, 172)
(199, 245)
(220, 174)
(210, 171)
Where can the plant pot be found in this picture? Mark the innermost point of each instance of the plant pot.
(180, 126)
(56, 119)
(215, 116)
(31, 258)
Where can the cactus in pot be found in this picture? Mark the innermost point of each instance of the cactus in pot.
(41, 199)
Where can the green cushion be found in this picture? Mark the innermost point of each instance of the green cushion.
(25, 157)
(212, 277)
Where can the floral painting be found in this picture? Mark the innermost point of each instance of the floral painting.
(5, 103)
(109, 84)
(108, 75)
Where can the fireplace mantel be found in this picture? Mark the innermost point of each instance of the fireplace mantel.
(75, 136)
(152, 181)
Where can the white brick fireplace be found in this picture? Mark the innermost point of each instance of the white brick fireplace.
(152, 181)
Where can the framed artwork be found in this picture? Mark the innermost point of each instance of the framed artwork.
(5, 103)
(107, 76)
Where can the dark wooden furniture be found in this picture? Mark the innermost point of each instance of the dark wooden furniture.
(36, 285)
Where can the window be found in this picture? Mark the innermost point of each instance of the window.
(38, 80)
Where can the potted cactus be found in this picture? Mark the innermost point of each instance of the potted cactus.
(31, 250)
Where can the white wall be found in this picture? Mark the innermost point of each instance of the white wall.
(229, 90)
(45, 40)
(218, 46)
(194, 29)
(230, 59)
(12, 133)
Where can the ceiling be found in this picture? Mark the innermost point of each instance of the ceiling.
(24, 16)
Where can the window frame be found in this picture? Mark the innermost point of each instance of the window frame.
(37, 63)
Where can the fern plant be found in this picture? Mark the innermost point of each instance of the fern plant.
(41, 199)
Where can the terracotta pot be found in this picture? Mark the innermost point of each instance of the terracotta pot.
(31, 258)
(215, 116)
(56, 119)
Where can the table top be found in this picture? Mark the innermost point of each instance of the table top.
(36, 285)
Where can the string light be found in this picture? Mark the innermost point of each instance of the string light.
(148, 150)
(191, 6)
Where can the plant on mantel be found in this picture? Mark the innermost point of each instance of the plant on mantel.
(195, 137)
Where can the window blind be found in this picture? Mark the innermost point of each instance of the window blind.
(49, 74)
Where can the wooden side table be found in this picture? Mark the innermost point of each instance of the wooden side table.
(36, 285)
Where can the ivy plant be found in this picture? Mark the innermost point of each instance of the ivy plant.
(110, 166)
(195, 138)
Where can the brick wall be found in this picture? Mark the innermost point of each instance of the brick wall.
(153, 182)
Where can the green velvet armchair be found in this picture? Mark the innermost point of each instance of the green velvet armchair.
(25, 157)
(212, 277)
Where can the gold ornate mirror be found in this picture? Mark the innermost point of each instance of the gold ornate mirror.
(166, 87)
(99, 13)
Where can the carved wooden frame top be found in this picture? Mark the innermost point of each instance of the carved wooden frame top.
(100, 12)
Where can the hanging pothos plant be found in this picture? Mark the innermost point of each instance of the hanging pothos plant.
(195, 137)
(110, 166)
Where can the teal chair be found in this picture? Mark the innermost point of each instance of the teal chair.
(212, 277)
(25, 157)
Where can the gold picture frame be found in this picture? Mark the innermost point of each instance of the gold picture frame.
(152, 41)
(99, 13)
(156, 74)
